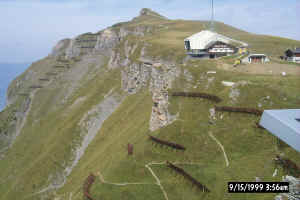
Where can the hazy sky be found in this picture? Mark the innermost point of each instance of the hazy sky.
(30, 28)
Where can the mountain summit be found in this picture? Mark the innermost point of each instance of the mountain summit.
(149, 12)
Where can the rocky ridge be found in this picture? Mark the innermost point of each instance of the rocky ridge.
(93, 49)
(135, 73)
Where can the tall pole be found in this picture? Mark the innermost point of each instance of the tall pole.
(212, 28)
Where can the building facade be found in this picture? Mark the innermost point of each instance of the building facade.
(212, 45)
(293, 55)
(256, 58)
(218, 49)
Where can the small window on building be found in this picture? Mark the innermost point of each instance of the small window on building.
(298, 120)
(187, 45)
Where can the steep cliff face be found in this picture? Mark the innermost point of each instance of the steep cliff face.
(75, 111)
(60, 47)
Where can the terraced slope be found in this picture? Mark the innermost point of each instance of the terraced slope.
(80, 121)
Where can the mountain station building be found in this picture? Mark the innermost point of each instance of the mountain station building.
(293, 55)
(208, 44)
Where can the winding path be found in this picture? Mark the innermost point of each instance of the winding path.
(148, 166)
(151, 171)
(158, 182)
(221, 146)
(156, 178)
(120, 184)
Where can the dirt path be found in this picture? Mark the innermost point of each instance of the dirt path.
(157, 179)
(120, 184)
(221, 146)
(137, 183)
(148, 166)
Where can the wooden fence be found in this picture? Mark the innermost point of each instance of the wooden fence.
(240, 110)
(197, 95)
(180, 171)
(289, 166)
(167, 143)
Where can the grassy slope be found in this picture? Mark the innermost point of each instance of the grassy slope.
(45, 145)
(46, 142)
(249, 149)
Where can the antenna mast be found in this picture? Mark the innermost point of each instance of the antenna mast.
(212, 22)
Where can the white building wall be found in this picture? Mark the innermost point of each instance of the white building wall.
(221, 50)
(293, 59)
(249, 60)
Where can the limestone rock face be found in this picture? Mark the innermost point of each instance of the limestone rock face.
(72, 50)
(149, 12)
(102, 42)
(145, 11)
(60, 47)
(135, 76)
(107, 40)
(160, 82)
(88, 43)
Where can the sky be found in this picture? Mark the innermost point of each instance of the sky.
(30, 28)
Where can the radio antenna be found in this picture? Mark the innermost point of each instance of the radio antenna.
(212, 21)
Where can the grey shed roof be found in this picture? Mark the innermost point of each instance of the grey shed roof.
(284, 124)
(296, 50)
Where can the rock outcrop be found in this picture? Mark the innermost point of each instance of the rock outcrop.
(160, 77)
(103, 42)
(149, 12)
(60, 47)
(107, 40)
